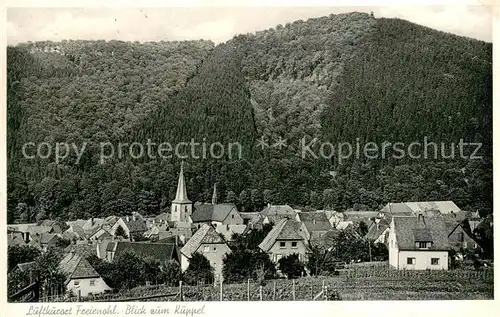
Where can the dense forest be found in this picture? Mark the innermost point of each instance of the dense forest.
(339, 78)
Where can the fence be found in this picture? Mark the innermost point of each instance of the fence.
(308, 288)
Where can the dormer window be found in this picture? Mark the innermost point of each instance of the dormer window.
(423, 244)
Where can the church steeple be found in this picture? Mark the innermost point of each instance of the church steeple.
(181, 194)
(181, 206)
(214, 195)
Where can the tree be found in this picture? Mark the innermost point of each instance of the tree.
(120, 232)
(21, 254)
(242, 264)
(152, 271)
(47, 267)
(320, 261)
(231, 197)
(171, 273)
(291, 266)
(129, 270)
(199, 270)
(362, 228)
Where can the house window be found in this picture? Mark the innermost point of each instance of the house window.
(232, 216)
(76, 283)
(434, 261)
(282, 245)
(215, 249)
(294, 244)
(206, 248)
(411, 261)
(92, 282)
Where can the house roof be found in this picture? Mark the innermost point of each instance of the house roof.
(228, 230)
(411, 229)
(39, 229)
(210, 212)
(164, 216)
(276, 218)
(249, 215)
(137, 225)
(26, 266)
(159, 251)
(412, 208)
(83, 249)
(206, 234)
(285, 229)
(22, 227)
(315, 221)
(43, 238)
(343, 225)
(78, 222)
(111, 220)
(278, 210)
(75, 266)
(15, 238)
(375, 231)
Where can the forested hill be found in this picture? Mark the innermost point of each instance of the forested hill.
(337, 78)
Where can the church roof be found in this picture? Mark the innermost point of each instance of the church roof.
(181, 194)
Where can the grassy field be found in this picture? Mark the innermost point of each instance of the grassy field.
(352, 284)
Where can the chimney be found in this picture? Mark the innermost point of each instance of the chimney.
(214, 195)
(92, 221)
(133, 217)
(127, 218)
(421, 218)
(314, 221)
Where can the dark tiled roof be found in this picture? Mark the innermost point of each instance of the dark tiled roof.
(285, 229)
(375, 231)
(83, 249)
(410, 229)
(26, 266)
(76, 266)
(209, 212)
(206, 234)
(160, 251)
(134, 226)
(315, 221)
(278, 210)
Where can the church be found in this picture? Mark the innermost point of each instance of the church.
(182, 207)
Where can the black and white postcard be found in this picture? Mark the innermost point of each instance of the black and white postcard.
(166, 160)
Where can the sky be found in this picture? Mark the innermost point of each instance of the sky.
(218, 24)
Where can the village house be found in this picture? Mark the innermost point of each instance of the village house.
(131, 226)
(422, 207)
(418, 243)
(378, 230)
(15, 238)
(43, 241)
(316, 224)
(74, 232)
(81, 277)
(284, 239)
(209, 243)
(228, 230)
(99, 234)
(216, 214)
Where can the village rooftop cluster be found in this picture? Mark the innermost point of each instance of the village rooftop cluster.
(417, 235)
